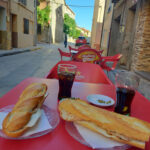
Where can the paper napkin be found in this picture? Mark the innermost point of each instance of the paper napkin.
(94, 139)
(40, 126)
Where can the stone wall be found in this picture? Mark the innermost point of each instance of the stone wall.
(5, 40)
(56, 15)
(106, 27)
(141, 57)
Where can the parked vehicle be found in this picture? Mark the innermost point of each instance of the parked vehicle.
(80, 41)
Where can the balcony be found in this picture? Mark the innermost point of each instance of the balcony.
(23, 2)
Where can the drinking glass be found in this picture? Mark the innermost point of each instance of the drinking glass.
(66, 75)
(126, 85)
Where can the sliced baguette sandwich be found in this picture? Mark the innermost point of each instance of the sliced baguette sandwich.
(128, 130)
(26, 111)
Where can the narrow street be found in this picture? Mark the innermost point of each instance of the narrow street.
(15, 68)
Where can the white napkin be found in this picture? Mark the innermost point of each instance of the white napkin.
(41, 125)
(94, 139)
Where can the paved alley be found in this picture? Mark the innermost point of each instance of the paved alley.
(15, 68)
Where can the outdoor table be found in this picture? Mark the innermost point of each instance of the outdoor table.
(59, 139)
(86, 72)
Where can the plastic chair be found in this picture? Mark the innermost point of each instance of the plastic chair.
(65, 54)
(71, 48)
(88, 55)
(84, 47)
(101, 51)
(114, 59)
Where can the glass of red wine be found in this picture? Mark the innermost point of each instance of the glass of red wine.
(66, 75)
(126, 85)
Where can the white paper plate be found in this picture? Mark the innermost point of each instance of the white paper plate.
(100, 100)
(52, 116)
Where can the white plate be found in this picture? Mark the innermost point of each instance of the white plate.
(95, 99)
(72, 130)
(52, 116)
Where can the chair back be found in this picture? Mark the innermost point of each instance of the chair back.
(71, 48)
(117, 56)
(65, 54)
(113, 59)
(87, 55)
(100, 51)
(84, 47)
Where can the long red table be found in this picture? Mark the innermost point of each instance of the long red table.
(86, 72)
(59, 139)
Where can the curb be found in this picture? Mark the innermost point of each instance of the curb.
(21, 51)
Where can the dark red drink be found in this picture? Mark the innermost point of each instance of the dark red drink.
(124, 100)
(65, 84)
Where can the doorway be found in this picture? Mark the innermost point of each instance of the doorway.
(2, 27)
(14, 31)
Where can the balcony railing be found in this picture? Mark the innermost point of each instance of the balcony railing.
(23, 2)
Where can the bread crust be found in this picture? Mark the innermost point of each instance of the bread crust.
(124, 129)
(31, 99)
(97, 129)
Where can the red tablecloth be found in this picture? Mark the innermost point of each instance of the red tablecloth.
(59, 138)
(86, 72)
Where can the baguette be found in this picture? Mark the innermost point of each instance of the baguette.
(28, 105)
(118, 127)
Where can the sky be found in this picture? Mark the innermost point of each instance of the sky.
(83, 15)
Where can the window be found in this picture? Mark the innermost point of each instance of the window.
(26, 26)
(24, 2)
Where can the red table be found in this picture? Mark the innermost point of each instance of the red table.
(59, 139)
(86, 72)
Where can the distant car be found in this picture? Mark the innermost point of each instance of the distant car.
(80, 41)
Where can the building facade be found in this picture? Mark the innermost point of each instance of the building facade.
(69, 11)
(17, 25)
(84, 32)
(5, 34)
(22, 23)
(97, 24)
(106, 27)
(54, 32)
(129, 33)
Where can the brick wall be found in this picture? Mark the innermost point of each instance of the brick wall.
(141, 57)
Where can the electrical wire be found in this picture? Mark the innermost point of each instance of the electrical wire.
(86, 6)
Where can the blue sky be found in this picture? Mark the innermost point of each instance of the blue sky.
(84, 15)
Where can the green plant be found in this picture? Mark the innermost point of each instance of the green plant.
(43, 15)
(70, 27)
